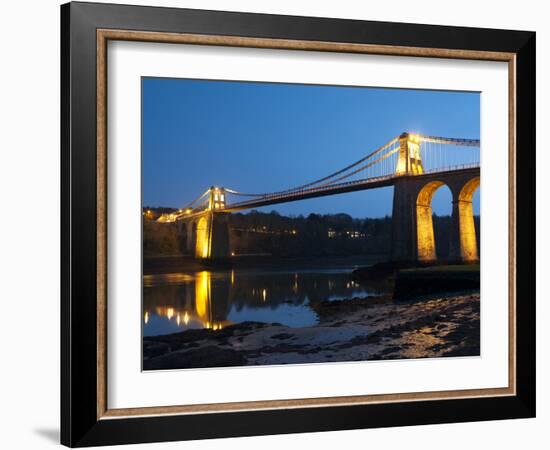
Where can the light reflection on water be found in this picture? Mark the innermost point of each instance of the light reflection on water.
(216, 299)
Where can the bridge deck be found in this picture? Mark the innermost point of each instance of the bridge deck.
(349, 186)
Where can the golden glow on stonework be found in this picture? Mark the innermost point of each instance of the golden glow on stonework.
(468, 241)
(202, 249)
(409, 160)
(424, 224)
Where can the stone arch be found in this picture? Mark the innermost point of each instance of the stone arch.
(202, 241)
(425, 239)
(466, 226)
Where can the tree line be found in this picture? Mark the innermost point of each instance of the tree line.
(291, 236)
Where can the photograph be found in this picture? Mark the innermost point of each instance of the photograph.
(296, 223)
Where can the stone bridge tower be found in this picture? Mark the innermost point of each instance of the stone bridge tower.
(412, 226)
(207, 233)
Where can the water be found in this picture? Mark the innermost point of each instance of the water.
(216, 299)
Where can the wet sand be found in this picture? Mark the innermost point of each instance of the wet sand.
(374, 328)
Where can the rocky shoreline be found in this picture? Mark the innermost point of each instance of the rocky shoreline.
(373, 328)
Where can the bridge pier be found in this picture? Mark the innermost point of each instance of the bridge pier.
(413, 238)
(403, 247)
(463, 245)
(211, 239)
(206, 233)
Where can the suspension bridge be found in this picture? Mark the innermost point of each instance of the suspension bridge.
(416, 165)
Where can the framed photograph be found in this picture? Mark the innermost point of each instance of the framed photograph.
(276, 224)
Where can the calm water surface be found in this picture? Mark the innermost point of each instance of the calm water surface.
(216, 299)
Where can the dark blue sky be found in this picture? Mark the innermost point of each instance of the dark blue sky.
(263, 137)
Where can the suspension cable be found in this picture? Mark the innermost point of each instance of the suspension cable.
(434, 145)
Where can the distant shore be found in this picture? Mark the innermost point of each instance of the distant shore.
(414, 280)
(178, 263)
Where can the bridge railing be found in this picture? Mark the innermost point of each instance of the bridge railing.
(439, 154)
(473, 165)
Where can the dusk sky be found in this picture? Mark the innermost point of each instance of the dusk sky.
(264, 137)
